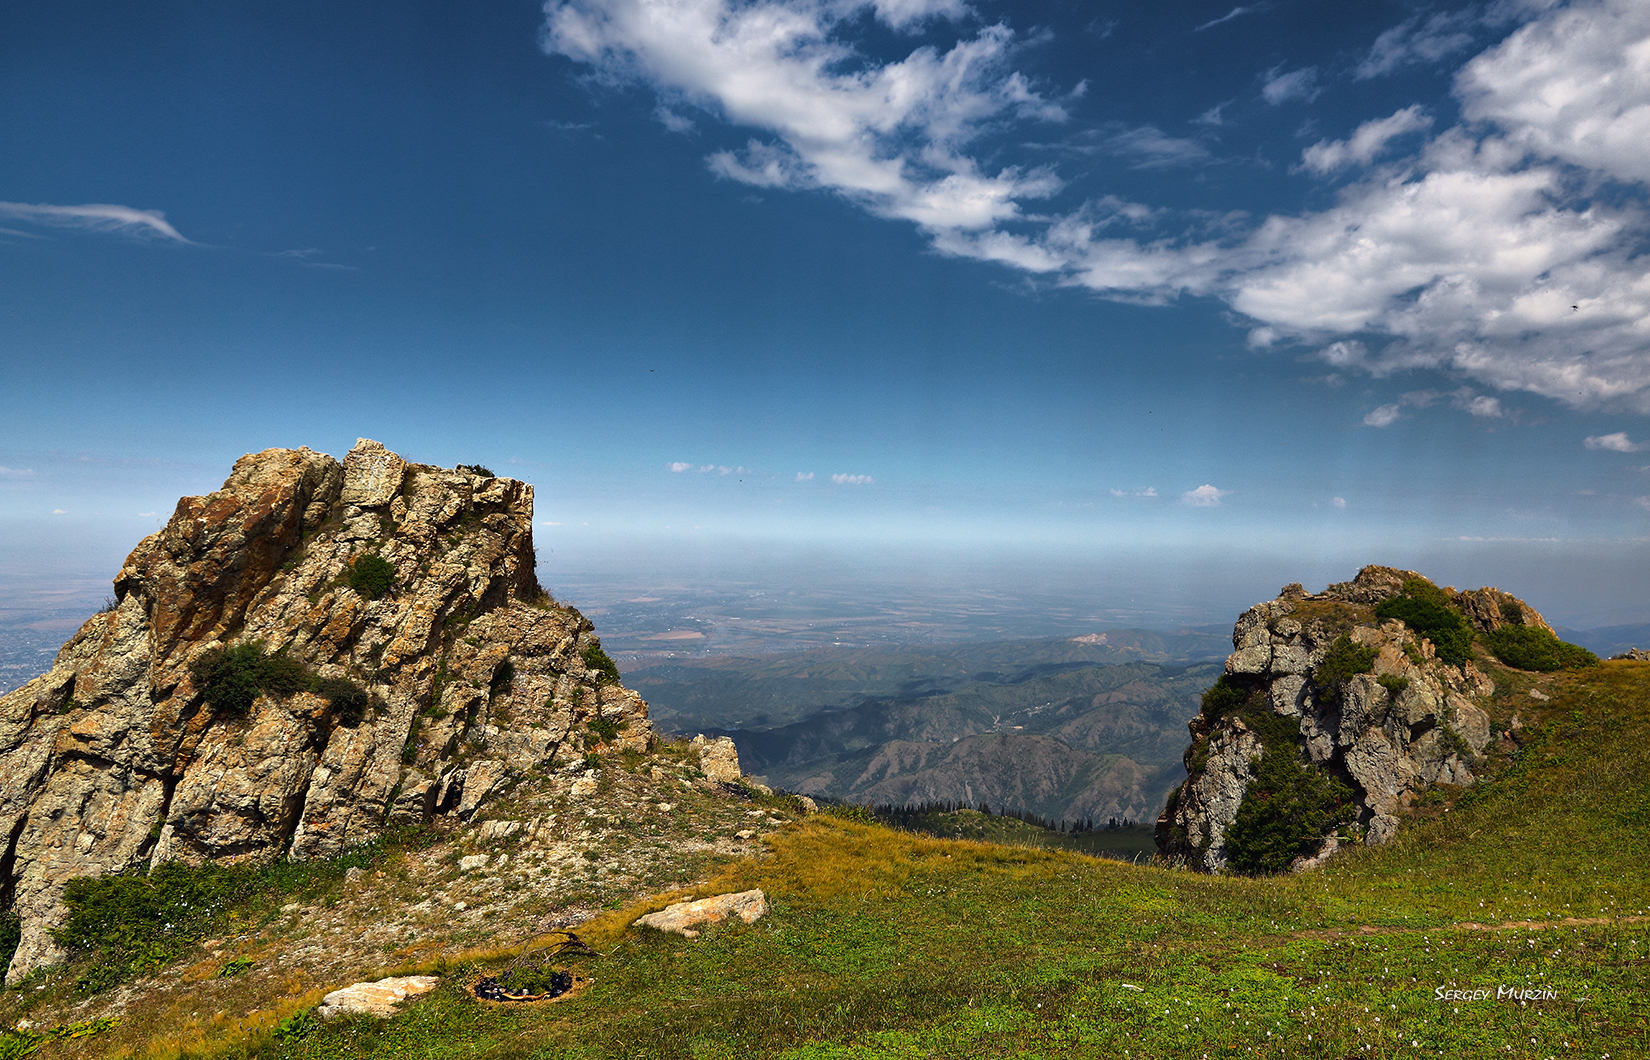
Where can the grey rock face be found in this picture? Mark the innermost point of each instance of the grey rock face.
(1387, 741)
(113, 760)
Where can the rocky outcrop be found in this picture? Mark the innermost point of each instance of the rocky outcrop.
(684, 918)
(1387, 734)
(467, 675)
(381, 998)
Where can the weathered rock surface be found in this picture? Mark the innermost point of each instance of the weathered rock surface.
(684, 918)
(113, 760)
(1387, 742)
(380, 998)
(718, 758)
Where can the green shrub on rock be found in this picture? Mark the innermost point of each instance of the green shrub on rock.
(595, 659)
(371, 576)
(1345, 660)
(1427, 610)
(1287, 807)
(231, 678)
(1534, 648)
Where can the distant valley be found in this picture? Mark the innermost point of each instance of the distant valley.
(1072, 729)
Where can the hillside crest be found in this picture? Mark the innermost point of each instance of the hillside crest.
(1332, 720)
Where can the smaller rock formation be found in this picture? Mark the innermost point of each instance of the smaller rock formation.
(380, 998)
(718, 758)
(683, 918)
(1366, 704)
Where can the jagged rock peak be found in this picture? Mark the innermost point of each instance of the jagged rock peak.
(424, 671)
(1403, 722)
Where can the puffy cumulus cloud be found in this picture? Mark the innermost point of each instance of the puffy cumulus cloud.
(1370, 138)
(1485, 252)
(853, 480)
(1337, 502)
(1616, 443)
(890, 136)
(1204, 496)
(1383, 415)
(1572, 85)
(680, 466)
(804, 476)
(1478, 406)
(1142, 491)
(96, 217)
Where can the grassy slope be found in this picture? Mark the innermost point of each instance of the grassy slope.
(887, 944)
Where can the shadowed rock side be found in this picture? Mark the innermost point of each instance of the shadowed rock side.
(1387, 734)
(114, 760)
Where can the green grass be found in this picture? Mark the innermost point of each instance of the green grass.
(886, 944)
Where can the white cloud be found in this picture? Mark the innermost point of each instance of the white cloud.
(16, 472)
(98, 217)
(890, 136)
(1204, 496)
(1297, 84)
(804, 476)
(1370, 138)
(901, 14)
(1383, 416)
(1573, 85)
(1616, 443)
(1234, 13)
(546, 522)
(676, 123)
(680, 466)
(852, 480)
(1415, 41)
(1479, 406)
(59, 511)
(1143, 491)
(1212, 116)
(1337, 502)
(1152, 148)
(1485, 253)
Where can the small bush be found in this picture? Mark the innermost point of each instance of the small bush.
(1395, 685)
(371, 575)
(349, 700)
(1427, 610)
(603, 730)
(230, 679)
(1534, 648)
(1345, 660)
(1288, 806)
(607, 671)
(477, 470)
(1224, 697)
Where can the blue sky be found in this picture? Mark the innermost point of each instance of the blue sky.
(1266, 290)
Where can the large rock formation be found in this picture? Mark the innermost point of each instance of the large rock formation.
(466, 675)
(1387, 734)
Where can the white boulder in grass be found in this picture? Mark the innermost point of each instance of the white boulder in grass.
(375, 999)
(684, 917)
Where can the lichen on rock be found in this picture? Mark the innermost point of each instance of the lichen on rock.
(1369, 705)
(472, 674)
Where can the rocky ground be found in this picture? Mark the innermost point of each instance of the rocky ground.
(547, 855)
